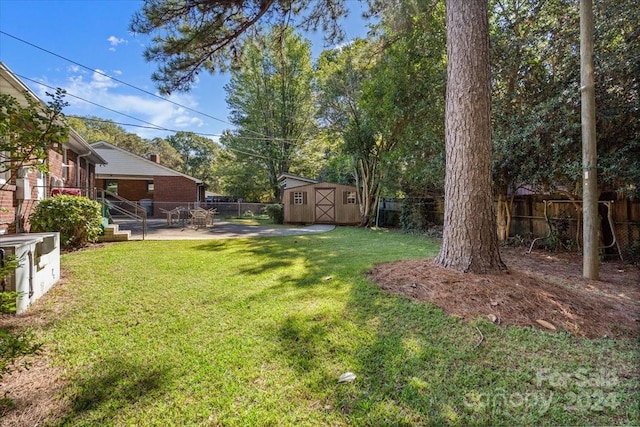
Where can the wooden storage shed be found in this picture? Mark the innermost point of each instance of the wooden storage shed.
(321, 203)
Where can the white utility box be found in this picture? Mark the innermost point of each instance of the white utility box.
(23, 189)
(39, 269)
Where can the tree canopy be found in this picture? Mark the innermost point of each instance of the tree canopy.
(197, 154)
(28, 132)
(271, 102)
(197, 35)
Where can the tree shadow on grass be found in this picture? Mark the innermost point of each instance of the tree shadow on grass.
(301, 339)
(408, 373)
(99, 394)
(278, 252)
(410, 359)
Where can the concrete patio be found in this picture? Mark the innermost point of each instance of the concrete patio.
(157, 229)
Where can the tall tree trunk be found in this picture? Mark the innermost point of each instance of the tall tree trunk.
(470, 242)
(365, 184)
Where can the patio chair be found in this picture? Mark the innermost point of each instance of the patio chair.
(211, 215)
(173, 216)
(199, 217)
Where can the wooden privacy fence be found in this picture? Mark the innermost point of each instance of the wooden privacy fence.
(559, 221)
(619, 221)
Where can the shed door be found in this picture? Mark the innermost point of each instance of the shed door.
(325, 204)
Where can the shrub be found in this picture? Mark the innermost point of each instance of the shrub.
(275, 212)
(8, 298)
(417, 215)
(78, 219)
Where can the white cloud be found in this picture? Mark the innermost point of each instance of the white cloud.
(101, 80)
(187, 121)
(100, 89)
(114, 42)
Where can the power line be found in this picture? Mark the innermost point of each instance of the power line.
(93, 103)
(93, 70)
(151, 125)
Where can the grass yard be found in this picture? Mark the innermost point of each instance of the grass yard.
(257, 331)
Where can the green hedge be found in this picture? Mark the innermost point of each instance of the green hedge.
(78, 219)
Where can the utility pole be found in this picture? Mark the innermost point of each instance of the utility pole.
(590, 261)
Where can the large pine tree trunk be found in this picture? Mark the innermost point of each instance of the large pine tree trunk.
(470, 242)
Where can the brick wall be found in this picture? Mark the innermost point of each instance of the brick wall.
(55, 164)
(173, 191)
(169, 191)
(7, 210)
(91, 193)
(133, 189)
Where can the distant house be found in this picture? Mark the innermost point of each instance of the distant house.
(146, 181)
(71, 169)
(288, 180)
(321, 203)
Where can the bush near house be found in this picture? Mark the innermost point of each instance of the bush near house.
(78, 219)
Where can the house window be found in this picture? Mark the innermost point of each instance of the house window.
(40, 185)
(65, 165)
(111, 185)
(149, 186)
(299, 198)
(349, 197)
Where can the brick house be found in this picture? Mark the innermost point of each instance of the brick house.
(70, 169)
(146, 181)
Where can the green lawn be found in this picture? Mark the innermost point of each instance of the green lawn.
(257, 331)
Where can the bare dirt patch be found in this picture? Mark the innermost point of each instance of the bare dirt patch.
(35, 392)
(542, 289)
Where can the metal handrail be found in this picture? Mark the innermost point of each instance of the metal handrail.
(133, 205)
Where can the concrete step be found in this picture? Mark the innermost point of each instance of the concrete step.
(112, 233)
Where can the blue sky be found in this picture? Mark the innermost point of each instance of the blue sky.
(90, 35)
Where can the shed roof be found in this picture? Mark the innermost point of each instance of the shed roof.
(321, 184)
(124, 164)
(285, 175)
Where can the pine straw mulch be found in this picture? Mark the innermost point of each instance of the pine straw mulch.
(542, 289)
